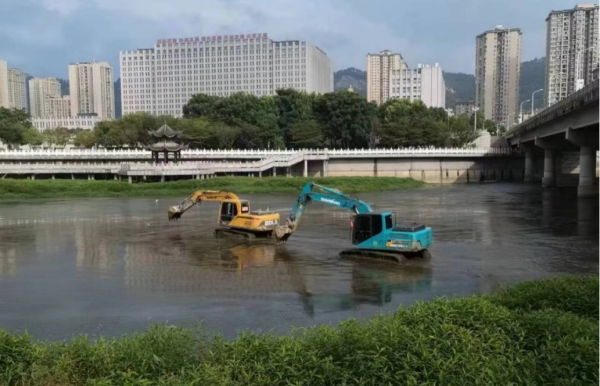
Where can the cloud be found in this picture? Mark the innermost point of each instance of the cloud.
(43, 36)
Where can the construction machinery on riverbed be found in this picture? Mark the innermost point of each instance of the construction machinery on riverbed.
(235, 217)
(374, 235)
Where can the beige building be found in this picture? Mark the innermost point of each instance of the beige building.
(57, 107)
(39, 90)
(17, 89)
(497, 73)
(4, 101)
(162, 79)
(380, 68)
(571, 50)
(91, 88)
(388, 77)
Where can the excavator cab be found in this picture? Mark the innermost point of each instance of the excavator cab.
(230, 209)
(367, 225)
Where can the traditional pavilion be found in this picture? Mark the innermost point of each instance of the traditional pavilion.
(166, 140)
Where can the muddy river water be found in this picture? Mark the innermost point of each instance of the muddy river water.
(111, 266)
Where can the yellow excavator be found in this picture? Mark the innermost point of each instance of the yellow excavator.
(235, 217)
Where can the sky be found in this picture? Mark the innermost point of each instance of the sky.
(41, 37)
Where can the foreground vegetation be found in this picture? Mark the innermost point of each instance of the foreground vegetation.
(23, 189)
(538, 333)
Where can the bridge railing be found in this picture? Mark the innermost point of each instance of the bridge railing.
(588, 94)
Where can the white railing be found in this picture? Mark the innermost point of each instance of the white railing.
(251, 154)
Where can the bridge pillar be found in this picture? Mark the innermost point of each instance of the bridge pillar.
(274, 171)
(325, 167)
(72, 176)
(260, 174)
(587, 172)
(549, 179)
(289, 171)
(162, 178)
(115, 177)
(130, 180)
(528, 166)
(305, 174)
(53, 177)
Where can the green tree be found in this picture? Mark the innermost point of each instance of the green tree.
(13, 124)
(306, 135)
(85, 138)
(201, 105)
(32, 136)
(407, 124)
(345, 118)
(461, 131)
(59, 136)
(294, 107)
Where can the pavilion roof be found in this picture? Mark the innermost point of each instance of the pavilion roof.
(165, 131)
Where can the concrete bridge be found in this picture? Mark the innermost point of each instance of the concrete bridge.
(567, 126)
(444, 165)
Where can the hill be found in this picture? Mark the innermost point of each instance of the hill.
(533, 77)
(459, 87)
(350, 77)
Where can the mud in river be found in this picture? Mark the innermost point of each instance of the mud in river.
(111, 266)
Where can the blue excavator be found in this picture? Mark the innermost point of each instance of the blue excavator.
(374, 234)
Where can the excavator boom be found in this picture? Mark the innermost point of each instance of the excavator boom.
(325, 195)
(176, 211)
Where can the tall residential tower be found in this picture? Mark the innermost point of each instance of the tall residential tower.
(39, 90)
(571, 50)
(497, 73)
(91, 88)
(162, 79)
(17, 89)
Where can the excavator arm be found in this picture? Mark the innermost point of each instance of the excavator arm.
(324, 195)
(198, 196)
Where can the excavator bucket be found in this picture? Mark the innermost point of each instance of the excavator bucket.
(174, 213)
(283, 233)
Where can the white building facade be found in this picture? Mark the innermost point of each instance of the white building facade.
(39, 90)
(57, 107)
(424, 83)
(85, 121)
(162, 79)
(91, 88)
(4, 101)
(389, 77)
(571, 50)
(17, 89)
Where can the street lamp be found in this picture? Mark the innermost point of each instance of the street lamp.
(448, 113)
(475, 110)
(580, 81)
(533, 98)
(508, 121)
(521, 111)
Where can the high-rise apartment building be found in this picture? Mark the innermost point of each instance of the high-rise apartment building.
(388, 77)
(380, 68)
(40, 89)
(571, 50)
(4, 102)
(17, 89)
(497, 73)
(57, 107)
(162, 79)
(91, 88)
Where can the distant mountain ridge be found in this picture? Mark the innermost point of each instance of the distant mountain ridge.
(459, 86)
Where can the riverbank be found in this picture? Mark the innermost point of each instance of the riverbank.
(543, 332)
(11, 189)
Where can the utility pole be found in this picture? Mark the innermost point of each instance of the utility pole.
(533, 99)
(475, 110)
(521, 111)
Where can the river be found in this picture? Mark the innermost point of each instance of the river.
(112, 266)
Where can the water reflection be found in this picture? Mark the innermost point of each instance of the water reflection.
(75, 264)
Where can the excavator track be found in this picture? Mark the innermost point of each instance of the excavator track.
(229, 232)
(400, 258)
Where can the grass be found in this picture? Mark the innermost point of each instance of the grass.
(11, 189)
(535, 333)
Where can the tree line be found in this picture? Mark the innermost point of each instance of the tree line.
(290, 119)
